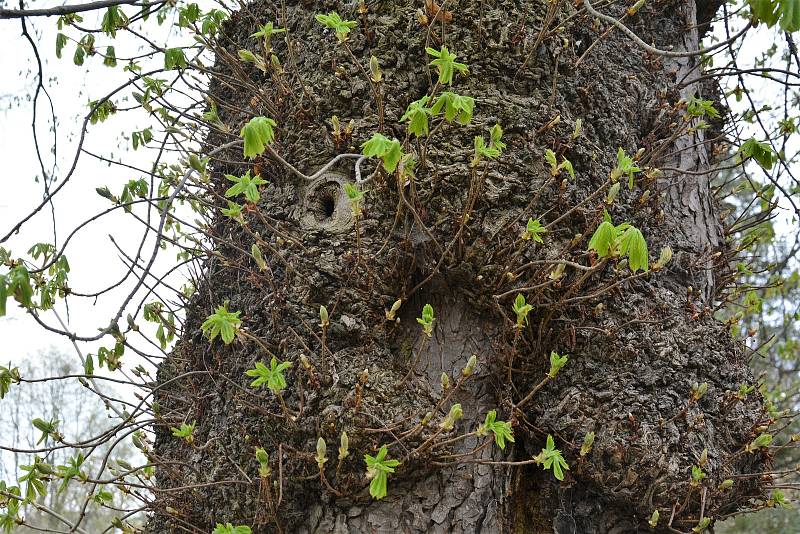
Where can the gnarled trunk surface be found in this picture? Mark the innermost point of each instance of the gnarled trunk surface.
(636, 347)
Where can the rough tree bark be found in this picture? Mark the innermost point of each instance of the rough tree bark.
(635, 349)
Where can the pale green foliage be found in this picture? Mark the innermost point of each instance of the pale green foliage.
(322, 453)
(551, 458)
(702, 525)
(452, 417)
(266, 32)
(255, 251)
(491, 151)
(417, 117)
(557, 361)
(17, 283)
(228, 528)
(634, 246)
(697, 107)
(245, 185)
(388, 150)
(221, 323)
(174, 58)
(344, 446)
(763, 440)
(625, 167)
(521, 309)
(355, 196)
(534, 230)
(455, 107)
(653, 522)
(778, 499)
(378, 468)
(333, 21)
(426, 320)
(264, 470)
(257, 133)
(185, 431)
(469, 368)
(272, 376)
(761, 152)
(555, 167)
(785, 12)
(697, 475)
(588, 443)
(501, 429)
(446, 64)
(610, 241)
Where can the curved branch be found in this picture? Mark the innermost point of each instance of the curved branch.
(69, 9)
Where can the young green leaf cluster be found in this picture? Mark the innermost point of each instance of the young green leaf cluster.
(557, 361)
(555, 167)
(534, 230)
(426, 320)
(491, 151)
(272, 376)
(551, 458)
(521, 309)
(355, 196)
(501, 429)
(245, 185)
(333, 21)
(388, 150)
(625, 167)
(446, 64)
(221, 323)
(229, 528)
(378, 468)
(257, 133)
(610, 241)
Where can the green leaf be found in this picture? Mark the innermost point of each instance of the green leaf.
(228, 528)
(455, 107)
(417, 116)
(521, 309)
(174, 58)
(557, 361)
(534, 230)
(501, 429)
(334, 22)
(245, 185)
(272, 376)
(378, 468)
(634, 246)
(257, 133)
(551, 458)
(761, 152)
(426, 320)
(790, 15)
(113, 19)
(221, 323)
(603, 238)
(389, 150)
(61, 42)
(446, 64)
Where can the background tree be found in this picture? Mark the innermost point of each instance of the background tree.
(79, 415)
(455, 270)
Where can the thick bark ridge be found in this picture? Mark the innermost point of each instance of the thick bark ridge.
(635, 349)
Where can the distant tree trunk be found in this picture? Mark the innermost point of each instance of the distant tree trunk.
(635, 348)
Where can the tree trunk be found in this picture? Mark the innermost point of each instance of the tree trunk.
(451, 239)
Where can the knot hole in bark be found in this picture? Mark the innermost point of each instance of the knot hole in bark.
(326, 206)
